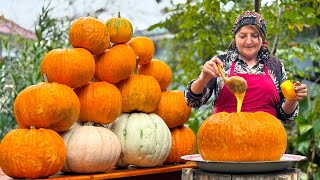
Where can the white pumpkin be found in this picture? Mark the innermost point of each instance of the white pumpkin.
(145, 139)
(90, 149)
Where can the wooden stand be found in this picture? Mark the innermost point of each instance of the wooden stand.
(166, 172)
(197, 174)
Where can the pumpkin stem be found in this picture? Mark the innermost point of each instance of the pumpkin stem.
(88, 124)
(137, 66)
(119, 15)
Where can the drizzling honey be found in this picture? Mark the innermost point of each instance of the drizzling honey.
(237, 85)
(240, 97)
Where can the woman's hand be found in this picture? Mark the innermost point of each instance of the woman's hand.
(301, 90)
(210, 69)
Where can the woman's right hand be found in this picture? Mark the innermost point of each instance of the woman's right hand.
(210, 69)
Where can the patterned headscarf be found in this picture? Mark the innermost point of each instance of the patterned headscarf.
(250, 18)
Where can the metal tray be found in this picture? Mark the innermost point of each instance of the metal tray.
(244, 167)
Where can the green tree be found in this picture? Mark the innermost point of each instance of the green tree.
(202, 29)
(21, 67)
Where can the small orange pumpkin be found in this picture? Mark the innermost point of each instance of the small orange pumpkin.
(120, 29)
(242, 136)
(89, 33)
(32, 153)
(47, 105)
(101, 102)
(159, 70)
(139, 93)
(115, 64)
(183, 143)
(72, 67)
(173, 108)
(144, 49)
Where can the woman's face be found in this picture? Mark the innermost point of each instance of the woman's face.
(248, 42)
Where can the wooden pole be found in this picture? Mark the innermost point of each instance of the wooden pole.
(257, 4)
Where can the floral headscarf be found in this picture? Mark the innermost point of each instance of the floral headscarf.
(250, 18)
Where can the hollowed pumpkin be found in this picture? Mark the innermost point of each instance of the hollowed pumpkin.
(242, 136)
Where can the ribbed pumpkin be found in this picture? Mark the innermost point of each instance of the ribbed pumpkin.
(101, 102)
(159, 70)
(242, 136)
(173, 108)
(90, 149)
(32, 153)
(72, 67)
(145, 139)
(89, 33)
(116, 64)
(139, 93)
(183, 143)
(47, 105)
(144, 49)
(120, 29)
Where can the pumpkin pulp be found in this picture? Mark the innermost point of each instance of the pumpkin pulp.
(239, 97)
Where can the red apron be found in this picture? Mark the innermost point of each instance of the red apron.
(261, 95)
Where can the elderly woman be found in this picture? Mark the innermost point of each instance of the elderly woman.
(247, 57)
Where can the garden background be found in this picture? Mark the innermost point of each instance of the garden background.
(192, 32)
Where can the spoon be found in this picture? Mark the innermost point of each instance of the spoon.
(236, 84)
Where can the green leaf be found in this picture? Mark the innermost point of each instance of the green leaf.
(304, 128)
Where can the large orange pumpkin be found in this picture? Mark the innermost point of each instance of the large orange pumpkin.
(72, 67)
(115, 64)
(139, 93)
(120, 29)
(101, 102)
(159, 70)
(173, 108)
(89, 33)
(242, 136)
(144, 49)
(32, 153)
(47, 105)
(183, 143)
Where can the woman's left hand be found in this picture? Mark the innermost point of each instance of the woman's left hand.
(301, 90)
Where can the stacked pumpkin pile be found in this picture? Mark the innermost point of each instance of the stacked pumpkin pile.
(108, 79)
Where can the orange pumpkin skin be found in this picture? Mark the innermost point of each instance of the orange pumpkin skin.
(115, 64)
(89, 33)
(241, 137)
(159, 70)
(72, 67)
(47, 105)
(101, 102)
(32, 153)
(120, 29)
(144, 49)
(183, 143)
(173, 108)
(139, 93)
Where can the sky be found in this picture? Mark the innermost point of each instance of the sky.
(141, 13)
